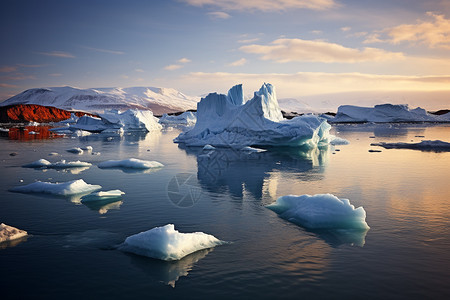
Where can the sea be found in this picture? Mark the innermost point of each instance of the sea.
(72, 248)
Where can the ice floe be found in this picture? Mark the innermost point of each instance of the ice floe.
(188, 118)
(9, 233)
(103, 201)
(131, 163)
(425, 145)
(62, 164)
(168, 244)
(68, 188)
(75, 150)
(383, 113)
(102, 195)
(229, 121)
(321, 211)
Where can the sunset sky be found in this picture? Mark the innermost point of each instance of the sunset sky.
(323, 49)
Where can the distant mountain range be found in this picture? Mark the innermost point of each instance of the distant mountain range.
(95, 100)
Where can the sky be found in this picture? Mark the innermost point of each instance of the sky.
(322, 50)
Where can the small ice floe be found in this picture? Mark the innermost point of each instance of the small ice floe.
(87, 148)
(168, 244)
(4, 129)
(426, 145)
(62, 164)
(75, 150)
(209, 147)
(68, 188)
(53, 154)
(9, 233)
(321, 211)
(102, 195)
(103, 201)
(249, 149)
(334, 140)
(131, 163)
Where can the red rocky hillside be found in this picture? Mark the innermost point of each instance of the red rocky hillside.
(33, 113)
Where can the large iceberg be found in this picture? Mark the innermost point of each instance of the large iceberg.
(9, 233)
(229, 121)
(321, 211)
(166, 243)
(68, 188)
(130, 120)
(383, 113)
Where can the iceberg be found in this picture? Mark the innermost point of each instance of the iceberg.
(188, 118)
(383, 113)
(229, 121)
(425, 145)
(9, 233)
(102, 195)
(168, 244)
(62, 164)
(68, 188)
(75, 150)
(131, 163)
(321, 211)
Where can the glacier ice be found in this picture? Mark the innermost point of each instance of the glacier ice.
(168, 244)
(229, 121)
(68, 188)
(132, 163)
(9, 233)
(383, 113)
(425, 145)
(321, 211)
(187, 118)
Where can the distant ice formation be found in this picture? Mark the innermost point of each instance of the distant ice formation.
(384, 113)
(187, 118)
(229, 121)
(168, 244)
(9, 233)
(62, 164)
(68, 188)
(321, 211)
(425, 145)
(132, 163)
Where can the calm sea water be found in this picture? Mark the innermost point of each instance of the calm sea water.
(71, 251)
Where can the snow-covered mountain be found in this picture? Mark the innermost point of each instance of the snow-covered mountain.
(95, 100)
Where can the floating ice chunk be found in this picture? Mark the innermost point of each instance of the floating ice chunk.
(188, 118)
(166, 243)
(229, 122)
(426, 145)
(75, 150)
(338, 141)
(53, 154)
(209, 147)
(131, 119)
(4, 129)
(102, 195)
(64, 188)
(252, 149)
(9, 233)
(87, 148)
(41, 163)
(321, 211)
(80, 133)
(132, 163)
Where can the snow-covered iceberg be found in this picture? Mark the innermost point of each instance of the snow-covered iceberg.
(229, 121)
(131, 163)
(68, 188)
(166, 243)
(9, 233)
(188, 118)
(62, 164)
(321, 211)
(130, 120)
(426, 145)
(383, 113)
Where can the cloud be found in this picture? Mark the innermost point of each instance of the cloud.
(264, 5)
(218, 15)
(172, 67)
(317, 31)
(290, 50)
(7, 69)
(16, 77)
(345, 29)
(139, 70)
(103, 50)
(31, 66)
(248, 41)
(57, 54)
(184, 60)
(237, 63)
(7, 85)
(434, 33)
(55, 74)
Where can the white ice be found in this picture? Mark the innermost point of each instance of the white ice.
(321, 211)
(64, 188)
(102, 195)
(252, 149)
(75, 150)
(166, 243)
(335, 140)
(209, 147)
(62, 164)
(229, 121)
(9, 233)
(132, 163)
(383, 113)
(187, 118)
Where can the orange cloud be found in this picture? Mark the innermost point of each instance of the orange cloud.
(264, 5)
